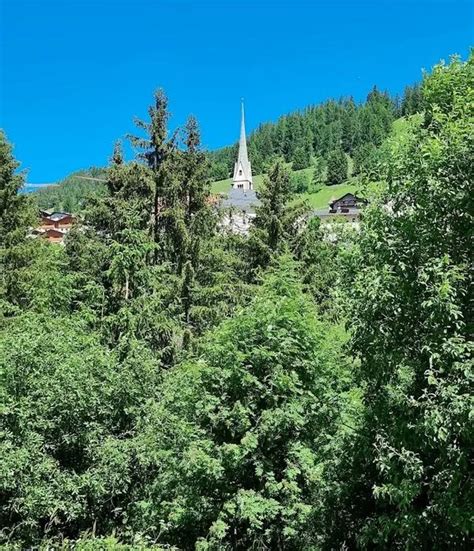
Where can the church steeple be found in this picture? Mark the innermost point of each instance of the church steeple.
(242, 171)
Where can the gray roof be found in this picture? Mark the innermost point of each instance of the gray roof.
(240, 199)
(56, 216)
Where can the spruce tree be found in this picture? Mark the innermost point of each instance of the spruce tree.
(197, 220)
(195, 176)
(412, 100)
(276, 222)
(16, 218)
(349, 126)
(16, 214)
(158, 150)
(301, 158)
(337, 167)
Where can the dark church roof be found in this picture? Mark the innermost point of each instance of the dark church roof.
(241, 200)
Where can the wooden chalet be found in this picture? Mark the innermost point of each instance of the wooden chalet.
(58, 220)
(348, 206)
(346, 203)
(54, 225)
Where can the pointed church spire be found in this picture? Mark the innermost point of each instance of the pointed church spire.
(243, 139)
(242, 171)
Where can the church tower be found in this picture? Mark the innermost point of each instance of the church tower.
(242, 171)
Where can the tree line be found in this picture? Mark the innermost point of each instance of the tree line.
(323, 132)
(321, 136)
(167, 384)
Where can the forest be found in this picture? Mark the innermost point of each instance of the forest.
(168, 384)
(320, 132)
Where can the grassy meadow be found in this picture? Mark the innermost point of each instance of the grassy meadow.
(318, 200)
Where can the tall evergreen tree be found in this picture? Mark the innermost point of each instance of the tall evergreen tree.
(15, 209)
(197, 221)
(276, 222)
(349, 126)
(337, 167)
(301, 158)
(412, 101)
(16, 218)
(158, 151)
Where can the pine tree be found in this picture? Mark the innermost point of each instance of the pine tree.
(16, 218)
(276, 222)
(337, 167)
(158, 151)
(16, 214)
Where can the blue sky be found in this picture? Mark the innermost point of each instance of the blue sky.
(74, 73)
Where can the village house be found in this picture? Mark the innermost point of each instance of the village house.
(348, 206)
(54, 226)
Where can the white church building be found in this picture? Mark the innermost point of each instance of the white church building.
(242, 170)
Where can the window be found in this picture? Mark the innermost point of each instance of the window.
(240, 173)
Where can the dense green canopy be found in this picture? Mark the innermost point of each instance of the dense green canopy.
(167, 384)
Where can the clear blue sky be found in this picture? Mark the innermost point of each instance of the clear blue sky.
(74, 73)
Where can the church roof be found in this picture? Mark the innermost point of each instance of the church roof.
(241, 200)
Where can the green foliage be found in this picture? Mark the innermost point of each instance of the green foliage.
(300, 182)
(276, 223)
(237, 443)
(319, 175)
(72, 193)
(68, 409)
(301, 158)
(16, 218)
(113, 256)
(337, 167)
(410, 325)
(40, 280)
(166, 383)
(320, 261)
(366, 158)
(412, 101)
(15, 209)
(91, 543)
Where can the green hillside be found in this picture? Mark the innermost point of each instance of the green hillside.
(318, 200)
(70, 194)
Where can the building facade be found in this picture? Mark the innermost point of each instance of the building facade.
(54, 226)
